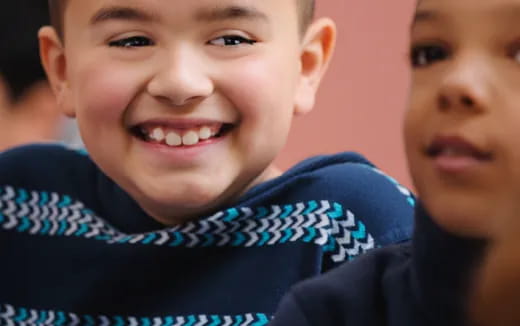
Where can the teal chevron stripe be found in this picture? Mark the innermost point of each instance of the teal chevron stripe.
(240, 239)
(337, 213)
(263, 320)
(22, 196)
(288, 235)
(313, 205)
(239, 321)
(191, 321)
(311, 236)
(119, 321)
(231, 215)
(411, 201)
(65, 201)
(61, 318)
(330, 246)
(125, 239)
(146, 322)
(82, 230)
(168, 321)
(210, 239)
(21, 316)
(44, 199)
(287, 210)
(149, 239)
(90, 320)
(179, 239)
(216, 321)
(46, 227)
(25, 225)
(63, 227)
(265, 237)
(43, 318)
(261, 212)
(361, 232)
(2, 218)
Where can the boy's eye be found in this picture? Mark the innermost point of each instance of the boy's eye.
(131, 42)
(424, 55)
(231, 40)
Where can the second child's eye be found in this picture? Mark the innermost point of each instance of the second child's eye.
(132, 42)
(425, 55)
(231, 40)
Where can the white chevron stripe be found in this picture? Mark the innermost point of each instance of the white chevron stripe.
(205, 227)
(311, 220)
(220, 227)
(228, 321)
(157, 321)
(203, 321)
(254, 239)
(300, 207)
(370, 244)
(34, 317)
(11, 208)
(105, 321)
(299, 233)
(93, 233)
(74, 217)
(51, 317)
(180, 321)
(75, 320)
(277, 236)
(194, 240)
(9, 193)
(351, 220)
(45, 212)
(225, 239)
(250, 226)
(77, 206)
(23, 211)
(346, 239)
(54, 199)
(249, 320)
(11, 224)
(325, 206)
(323, 221)
(216, 216)
(35, 215)
(132, 321)
(9, 313)
(323, 238)
(247, 212)
(34, 198)
(37, 227)
(277, 211)
(54, 213)
(164, 237)
(265, 224)
(137, 239)
(340, 256)
(73, 228)
(299, 221)
(276, 225)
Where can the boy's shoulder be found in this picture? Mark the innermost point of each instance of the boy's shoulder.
(44, 167)
(365, 291)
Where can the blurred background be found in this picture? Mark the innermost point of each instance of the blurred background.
(364, 94)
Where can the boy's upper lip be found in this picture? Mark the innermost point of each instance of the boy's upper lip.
(458, 144)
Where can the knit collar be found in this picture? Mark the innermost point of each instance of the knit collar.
(442, 270)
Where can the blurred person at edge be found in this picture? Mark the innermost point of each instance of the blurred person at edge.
(28, 110)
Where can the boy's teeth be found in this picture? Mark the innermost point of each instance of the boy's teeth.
(157, 135)
(205, 133)
(190, 138)
(172, 139)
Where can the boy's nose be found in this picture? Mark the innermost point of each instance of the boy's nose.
(181, 79)
(464, 87)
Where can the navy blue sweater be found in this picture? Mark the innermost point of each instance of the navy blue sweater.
(76, 249)
(423, 282)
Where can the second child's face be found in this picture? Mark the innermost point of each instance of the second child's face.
(183, 103)
(462, 131)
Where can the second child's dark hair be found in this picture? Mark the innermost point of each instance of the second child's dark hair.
(57, 8)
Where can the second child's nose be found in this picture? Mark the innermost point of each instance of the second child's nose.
(181, 78)
(465, 86)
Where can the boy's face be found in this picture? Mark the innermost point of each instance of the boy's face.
(462, 131)
(184, 103)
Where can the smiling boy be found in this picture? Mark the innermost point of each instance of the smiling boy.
(462, 138)
(176, 214)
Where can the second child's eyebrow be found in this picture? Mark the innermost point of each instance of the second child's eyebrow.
(230, 13)
(425, 15)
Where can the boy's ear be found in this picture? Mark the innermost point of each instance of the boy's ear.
(318, 46)
(54, 62)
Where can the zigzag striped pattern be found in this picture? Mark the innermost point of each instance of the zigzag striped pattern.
(405, 191)
(12, 316)
(324, 223)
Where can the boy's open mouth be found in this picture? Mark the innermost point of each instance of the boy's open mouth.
(180, 137)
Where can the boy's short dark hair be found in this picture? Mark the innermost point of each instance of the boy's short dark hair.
(56, 7)
(20, 66)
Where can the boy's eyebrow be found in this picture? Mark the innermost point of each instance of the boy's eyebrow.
(121, 13)
(230, 12)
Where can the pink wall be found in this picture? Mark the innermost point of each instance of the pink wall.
(363, 97)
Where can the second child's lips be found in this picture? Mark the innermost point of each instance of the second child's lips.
(456, 154)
